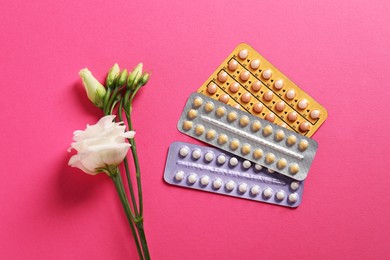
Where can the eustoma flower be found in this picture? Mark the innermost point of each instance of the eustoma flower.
(103, 147)
(100, 147)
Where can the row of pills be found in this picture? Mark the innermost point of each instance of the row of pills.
(241, 188)
(276, 109)
(248, 81)
(221, 159)
(243, 121)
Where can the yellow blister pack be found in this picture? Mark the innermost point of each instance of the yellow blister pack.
(246, 80)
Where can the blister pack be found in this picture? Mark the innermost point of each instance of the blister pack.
(212, 170)
(246, 80)
(247, 136)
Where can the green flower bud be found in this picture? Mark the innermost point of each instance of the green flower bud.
(112, 74)
(95, 90)
(134, 76)
(123, 77)
(144, 79)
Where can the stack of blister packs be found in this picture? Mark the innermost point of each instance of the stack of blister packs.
(259, 122)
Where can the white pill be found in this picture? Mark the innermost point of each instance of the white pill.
(267, 74)
(293, 197)
(230, 185)
(217, 183)
(205, 180)
(242, 188)
(279, 84)
(221, 159)
(258, 167)
(184, 151)
(294, 185)
(233, 161)
(192, 178)
(270, 171)
(267, 193)
(280, 195)
(255, 64)
(209, 156)
(246, 164)
(255, 190)
(243, 54)
(179, 176)
(302, 104)
(196, 154)
(290, 94)
(315, 114)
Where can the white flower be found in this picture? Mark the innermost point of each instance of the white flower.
(100, 146)
(95, 90)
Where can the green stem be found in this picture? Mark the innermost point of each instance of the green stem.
(136, 164)
(122, 195)
(125, 161)
(142, 237)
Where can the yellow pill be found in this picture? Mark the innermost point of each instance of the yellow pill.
(293, 168)
(210, 135)
(209, 107)
(192, 113)
(234, 144)
(267, 130)
(279, 135)
(222, 139)
(187, 125)
(220, 112)
(244, 121)
(256, 126)
(232, 116)
(199, 129)
(282, 163)
(245, 149)
(257, 154)
(291, 140)
(303, 145)
(197, 102)
(269, 158)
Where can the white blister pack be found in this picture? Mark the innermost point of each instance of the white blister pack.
(247, 136)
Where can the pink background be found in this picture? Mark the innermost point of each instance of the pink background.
(338, 51)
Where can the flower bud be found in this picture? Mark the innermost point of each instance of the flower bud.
(95, 90)
(134, 76)
(112, 74)
(123, 77)
(144, 79)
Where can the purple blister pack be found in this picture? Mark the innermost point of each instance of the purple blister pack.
(213, 170)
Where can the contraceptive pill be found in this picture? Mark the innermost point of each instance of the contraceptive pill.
(241, 179)
(250, 82)
(250, 137)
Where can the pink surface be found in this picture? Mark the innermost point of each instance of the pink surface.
(338, 51)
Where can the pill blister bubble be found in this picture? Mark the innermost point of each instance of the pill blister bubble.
(192, 178)
(233, 161)
(179, 176)
(205, 180)
(184, 151)
(242, 188)
(280, 195)
(246, 164)
(230, 185)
